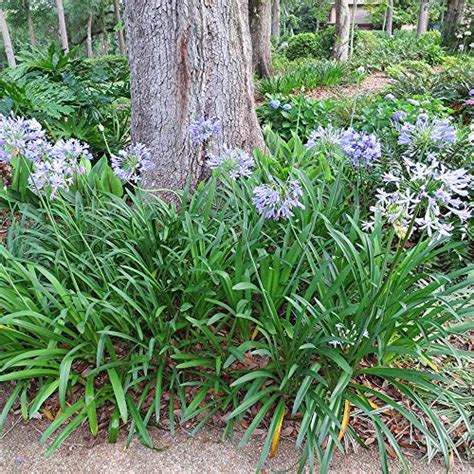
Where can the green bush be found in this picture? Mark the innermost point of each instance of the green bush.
(304, 45)
(377, 50)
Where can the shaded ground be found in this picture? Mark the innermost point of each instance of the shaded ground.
(20, 452)
(370, 85)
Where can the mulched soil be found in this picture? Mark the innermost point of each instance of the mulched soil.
(370, 85)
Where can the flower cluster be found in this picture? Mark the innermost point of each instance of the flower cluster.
(19, 137)
(425, 196)
(129, 164)
(425, 132)
(276, 104)
(202, 130)
(57, 168)
(324, 138)
(278, 200)
(346, 336)
(236, 163)
(361, 147)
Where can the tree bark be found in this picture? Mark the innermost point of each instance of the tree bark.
(7, 42)
(454, 16)
(341, 45)
(90, 51)
(353, 17)
(276, 18)
(62, 26)
(389, 23)
(121, 36)
(189, 59)
(31, 28)
(105, 40)
(423, 17)
(260, 18)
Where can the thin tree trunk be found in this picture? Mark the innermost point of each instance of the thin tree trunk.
(354, 12)
(7, 42)
(121, 36)
(423, 17)
(260, 17)
(90, 52)
(276, 18)
(389, 23)
(62, 25)
(384, 20)
(31, 28)
(105, 40)
(189, 60)
(341, 45)
(454, 16)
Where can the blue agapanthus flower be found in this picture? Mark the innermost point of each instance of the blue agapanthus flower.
(324, 137)
(399, 116)
(129, 164)
(278, 200)
(361, 147)
(237, 163)
(18, 136)
(275, 103)
(437, 132)
(287, 107)
(203, 129)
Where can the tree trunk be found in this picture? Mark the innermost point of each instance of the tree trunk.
(90, 52)
(7, 42)
(351, 43)
(341, 45)
(276, 18)
(453, 18)
(260, 17)
(389, 23)
(31, 28)
(118, 20)
(105, 40)
(62, 25)
(423, 17)
(189, 60)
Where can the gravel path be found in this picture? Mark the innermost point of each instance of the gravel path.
(20, 452)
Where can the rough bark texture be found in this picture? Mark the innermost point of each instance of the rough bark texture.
(120, 34)
(189, 59)
(341, 45)
(423, 17)
(90, 52)
(31, 28)
(62, 25)
(260, 18)
(7, 40)
(454, 16)
(276, 18)
(389, 23)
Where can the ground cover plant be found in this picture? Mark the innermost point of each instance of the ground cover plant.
(306, 280)
(318, 285)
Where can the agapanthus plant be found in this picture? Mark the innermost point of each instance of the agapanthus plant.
(324, 138)
(426, 133)
(234, 162)
(19, 137)
(58, 166)
(423, 197)
(203, 129)
(362, 148)
(129, 164)
(277, 200)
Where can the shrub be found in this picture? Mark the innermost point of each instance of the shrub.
(304, 45)
(376, 51)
